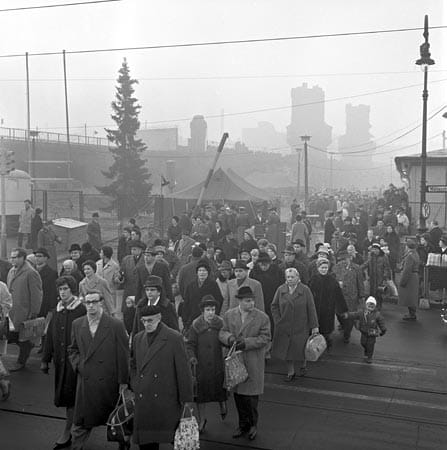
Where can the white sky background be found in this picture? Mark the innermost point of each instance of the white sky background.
(146, 22)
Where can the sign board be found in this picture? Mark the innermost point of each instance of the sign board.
(425, 210)
(437, 188)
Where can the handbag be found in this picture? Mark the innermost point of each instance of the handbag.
(32, 329)
(187, 433)
(120, 422)
(235, 370)
(315, 346)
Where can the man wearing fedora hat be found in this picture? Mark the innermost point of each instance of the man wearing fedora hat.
(152, 266)
(248, 328)
(241, 273)
(154, 295)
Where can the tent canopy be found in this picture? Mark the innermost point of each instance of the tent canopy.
(223, 186)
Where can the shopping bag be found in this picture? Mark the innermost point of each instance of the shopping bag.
(235, 370)
(315, 346)
(187, 433)
(424, 303)
(120, 422)
(393, 288)
(32, 329)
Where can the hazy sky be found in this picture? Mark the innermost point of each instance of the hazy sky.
(269, 69)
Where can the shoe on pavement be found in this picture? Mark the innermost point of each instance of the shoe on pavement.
(367, 359)
(5, 389)
(252, 432)
(16, 367)
(409, 317)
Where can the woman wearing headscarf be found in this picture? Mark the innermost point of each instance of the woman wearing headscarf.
(205, 354)
(295, 317)
(328, 298)
(409, 280)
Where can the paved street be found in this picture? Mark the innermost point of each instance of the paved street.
(398, 402)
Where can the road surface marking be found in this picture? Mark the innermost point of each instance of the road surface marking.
(385, 366)
(356, 396)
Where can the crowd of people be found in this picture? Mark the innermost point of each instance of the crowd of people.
(156, 323)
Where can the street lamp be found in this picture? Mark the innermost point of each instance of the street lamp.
(306, 139)
(424, 61)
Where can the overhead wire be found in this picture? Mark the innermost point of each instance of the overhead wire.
(58, 5)
(224, 42)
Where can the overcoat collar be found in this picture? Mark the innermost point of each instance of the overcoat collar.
(159, 342)
(250, 317)
(102, 332)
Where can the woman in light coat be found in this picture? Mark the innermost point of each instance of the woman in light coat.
(5, 306)
(409, 280)
(295, 317)
(94, 283)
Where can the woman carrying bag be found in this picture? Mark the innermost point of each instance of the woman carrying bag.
(205, 355)
(294, 314)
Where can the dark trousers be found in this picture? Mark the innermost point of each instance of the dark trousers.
(348, 325)
(25, 347)
(368, 343)
(328, 337)
(412, 311)
(247, 409)
(151, 446)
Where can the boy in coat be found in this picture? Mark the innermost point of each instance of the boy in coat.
(249, 328)
(161, 380)
(99, 354)
(370, 324)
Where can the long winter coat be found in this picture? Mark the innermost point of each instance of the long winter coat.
(204, 345)
(49, 291)
(161, 380)
(101, 364)
(255, 332)
(378, 268)
(56, 349)
(232, 292)
(353, 287)
(25, 287)
(159, 269)
(328, 298)
(194, 294)
(294, 315)
(129, 268)
(98, 284)
(409, 280)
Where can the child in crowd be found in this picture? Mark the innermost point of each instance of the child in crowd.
(370, 324)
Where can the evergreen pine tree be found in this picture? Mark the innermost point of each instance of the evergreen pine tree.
(130, 186)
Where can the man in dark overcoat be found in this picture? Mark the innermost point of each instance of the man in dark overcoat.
(48, 277)
(161, 380)
(25, 286)
(94, 232)
(99, 354)
(153, 267)
(129, 278)
(154, 296)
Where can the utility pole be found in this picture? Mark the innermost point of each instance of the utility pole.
(298, 177)
(28, 117)
(331, 172)
(424, 61)
(6, 165)
(306, 139)
(67, 123)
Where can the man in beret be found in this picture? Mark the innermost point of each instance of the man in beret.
(154, 295)
(248, 328)
(160, 378)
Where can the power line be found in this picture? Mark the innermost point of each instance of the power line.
(254, 111)
(227, 42)
(358, 152)
(59, 5)
(222, 77)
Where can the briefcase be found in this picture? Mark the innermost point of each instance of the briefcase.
(32, 329)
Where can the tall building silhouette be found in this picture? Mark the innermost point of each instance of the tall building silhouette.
(198, 128)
